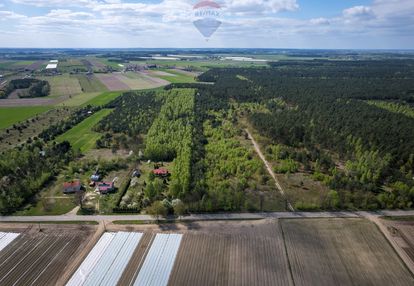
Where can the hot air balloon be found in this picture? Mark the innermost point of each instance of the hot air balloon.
(207, 13)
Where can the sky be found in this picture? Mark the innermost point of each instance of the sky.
(302, 24)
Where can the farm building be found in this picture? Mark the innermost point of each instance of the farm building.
(106, 187)
(51, 66)
(72, 187)
(161, 172)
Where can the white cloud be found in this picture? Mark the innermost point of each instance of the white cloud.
(168, 22)
(320, 21)
(56, 3)
(260, 6)
(358, 12)
(9, 15)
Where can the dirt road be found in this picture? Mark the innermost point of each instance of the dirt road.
(383, 228)
(269, 169)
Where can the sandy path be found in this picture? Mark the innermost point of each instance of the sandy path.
(269, 169)
(393, 241)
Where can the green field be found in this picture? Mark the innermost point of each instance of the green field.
(80, 99)
(90, 84)
(176, 77)
(12, 115)
(63, 85)
(103, 98)
(204, 65)
(69, 65)
(93, 98)
(82, 136)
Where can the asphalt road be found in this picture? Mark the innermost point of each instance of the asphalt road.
(225, 216)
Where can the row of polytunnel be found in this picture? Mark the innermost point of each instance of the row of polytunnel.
(109, 258)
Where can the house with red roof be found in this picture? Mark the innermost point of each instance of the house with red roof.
(161, 172)
(106, 187)
(72, 187)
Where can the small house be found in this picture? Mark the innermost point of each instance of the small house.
(161, 172)
(72, 187)
(106, 187)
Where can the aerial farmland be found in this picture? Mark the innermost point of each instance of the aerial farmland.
(263, 252)
(130, 167)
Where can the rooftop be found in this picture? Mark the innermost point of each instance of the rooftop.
(51, 66)
(72, 184)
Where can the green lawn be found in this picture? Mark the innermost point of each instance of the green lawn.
(82, 136)
(91, 84)
(12, 115)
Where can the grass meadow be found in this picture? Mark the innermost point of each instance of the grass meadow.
(12, 115)
(82, 136)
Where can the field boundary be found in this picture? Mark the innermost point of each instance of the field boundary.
(287, 255)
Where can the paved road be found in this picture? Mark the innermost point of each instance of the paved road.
(269, 169)
(228, 216)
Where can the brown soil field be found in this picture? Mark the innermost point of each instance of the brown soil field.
(226, 253)
(263, 252)
(342, 252)
(112, 82)
(35, 66)
(135, 264)
(156, 81)
(41, 257)
(27, 102)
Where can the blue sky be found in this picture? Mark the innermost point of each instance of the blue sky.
(345, 24)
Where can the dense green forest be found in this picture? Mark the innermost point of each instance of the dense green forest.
(170, 138)
(28, 88)
(324, 111)
(133, 113)
(346, 125)
(25, 170)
